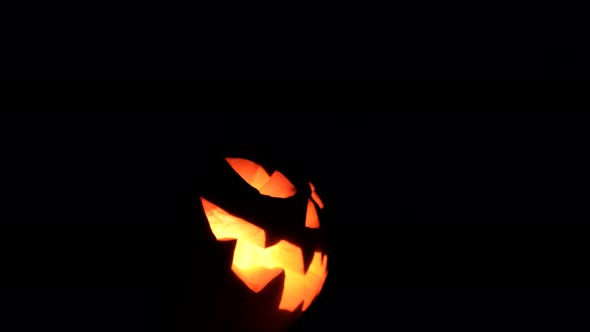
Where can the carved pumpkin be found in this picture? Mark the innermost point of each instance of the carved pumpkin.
(268, 228)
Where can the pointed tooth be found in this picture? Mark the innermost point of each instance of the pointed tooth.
(307, 257)
(271, 239)
(273, 291)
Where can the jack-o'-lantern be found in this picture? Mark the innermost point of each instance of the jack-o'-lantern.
(265, 228)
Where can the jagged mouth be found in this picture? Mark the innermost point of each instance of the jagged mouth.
(257, 265)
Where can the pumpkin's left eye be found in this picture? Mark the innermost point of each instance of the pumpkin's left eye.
(274, 185)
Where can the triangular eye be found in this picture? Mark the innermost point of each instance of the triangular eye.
(311, 216)
(275, 185)
(316, 198)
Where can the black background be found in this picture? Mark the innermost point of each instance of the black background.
(468, 219)
(320, 40)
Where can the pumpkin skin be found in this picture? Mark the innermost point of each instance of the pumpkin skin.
(220, 298)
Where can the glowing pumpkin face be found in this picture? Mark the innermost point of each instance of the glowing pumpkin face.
(255, 262)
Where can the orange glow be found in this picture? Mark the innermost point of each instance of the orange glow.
(278, 186)
(250, 171)
(275, 185)
(315, 196)
(256, 265)
(311, 217)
